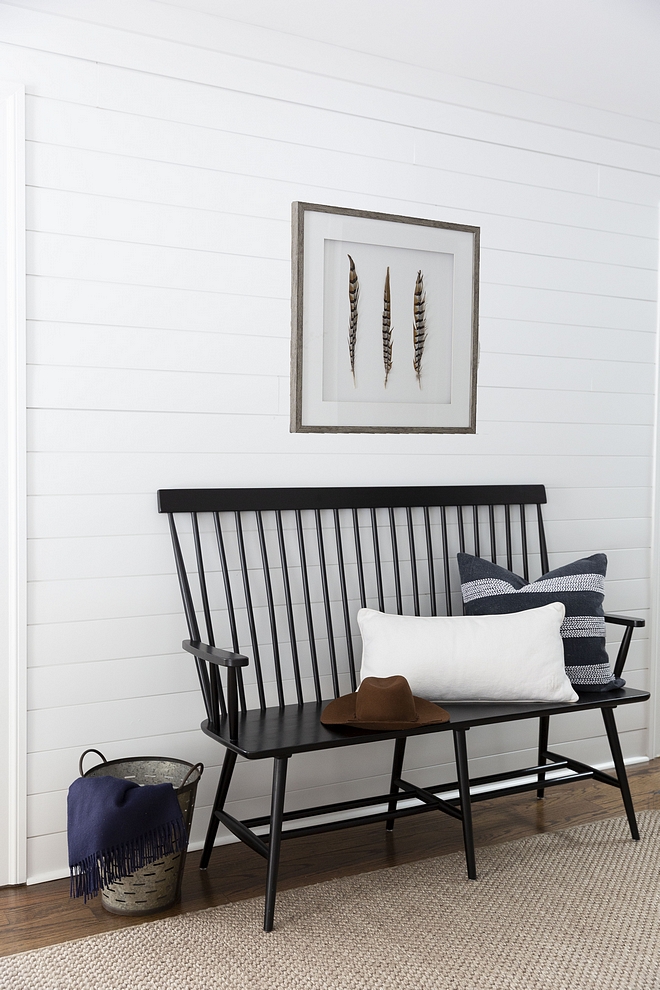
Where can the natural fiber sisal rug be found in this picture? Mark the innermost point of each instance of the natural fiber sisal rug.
(570, 910)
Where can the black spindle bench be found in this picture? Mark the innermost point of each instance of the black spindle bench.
(280, 574)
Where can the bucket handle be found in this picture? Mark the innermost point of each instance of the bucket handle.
(80, 764)
(198, 766)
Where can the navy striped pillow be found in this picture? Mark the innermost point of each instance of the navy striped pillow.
(489, 589)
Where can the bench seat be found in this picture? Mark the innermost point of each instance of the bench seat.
(297, 728)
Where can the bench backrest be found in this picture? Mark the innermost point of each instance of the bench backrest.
(280, 573)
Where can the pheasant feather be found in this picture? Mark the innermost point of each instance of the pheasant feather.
(387, 328)
(419, 326)
(353, 296)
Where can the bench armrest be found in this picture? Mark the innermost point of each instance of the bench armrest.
(211, 686)
(214, 655)
(625, 620)
(631, 624)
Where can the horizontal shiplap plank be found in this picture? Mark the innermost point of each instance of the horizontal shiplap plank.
(60, 123)
(76, 474)
(264, 431)
(65, 516)
(46, 814)
(624, 562)
(79, 427)
(113, 720)
(552, 239)
(158, 224)
(93, 515)
(547, 339)
(490, 158)
(132, 554)
(570, 308)
(173, 99)
(156, 633)
(559, 373)
(630, 186)
(56, 256)
(629, 597)
(182, 101)
(533, 405)
(278, 44)
(99, 303)
(72, 345)
(105, 639)
(54, 769)
(633, 717)
(109, 388)
(108, 597)
(597, 502)
(228, 247)
(176, 273)
(103, 174)
(132, 94)
(56, 212)
(64, 685)
(638, 655)
(48, 74)
(121, 48)
(99, 556)
(174, 416)
(591, 535)
(119, 177)
(569, 275)
(47, 857)
(97, 640)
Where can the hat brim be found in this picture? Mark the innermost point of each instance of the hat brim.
(341, 711)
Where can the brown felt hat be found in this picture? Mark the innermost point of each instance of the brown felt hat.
(383, 703)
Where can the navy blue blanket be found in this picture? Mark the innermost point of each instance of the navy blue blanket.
(116, 827)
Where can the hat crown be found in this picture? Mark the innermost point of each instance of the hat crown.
(385, 699)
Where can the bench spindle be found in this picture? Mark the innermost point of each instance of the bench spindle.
(344, 600)
(491, 521)
(429, 560)
(293, 641)
(507, 529)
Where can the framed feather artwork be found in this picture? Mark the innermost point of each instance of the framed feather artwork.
(384, 323)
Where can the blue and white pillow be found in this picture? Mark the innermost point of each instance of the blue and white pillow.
(580, 586)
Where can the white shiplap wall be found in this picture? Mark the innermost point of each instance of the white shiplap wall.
(164, 148)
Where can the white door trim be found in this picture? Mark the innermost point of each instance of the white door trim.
(13, 505)
(654, 602)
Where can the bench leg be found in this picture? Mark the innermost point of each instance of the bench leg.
(397, 768)
(460, 749)
(276, 812)
(544, 728)
(228, 765)
(617, 756)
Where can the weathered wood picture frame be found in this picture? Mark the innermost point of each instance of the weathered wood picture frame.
(385, 315)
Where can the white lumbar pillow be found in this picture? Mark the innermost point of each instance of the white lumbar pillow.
(512, 657)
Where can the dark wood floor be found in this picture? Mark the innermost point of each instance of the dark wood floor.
(42, 914)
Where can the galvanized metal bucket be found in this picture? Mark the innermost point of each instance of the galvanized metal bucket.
(158, 885)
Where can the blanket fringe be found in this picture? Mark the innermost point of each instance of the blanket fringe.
(106, 866)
